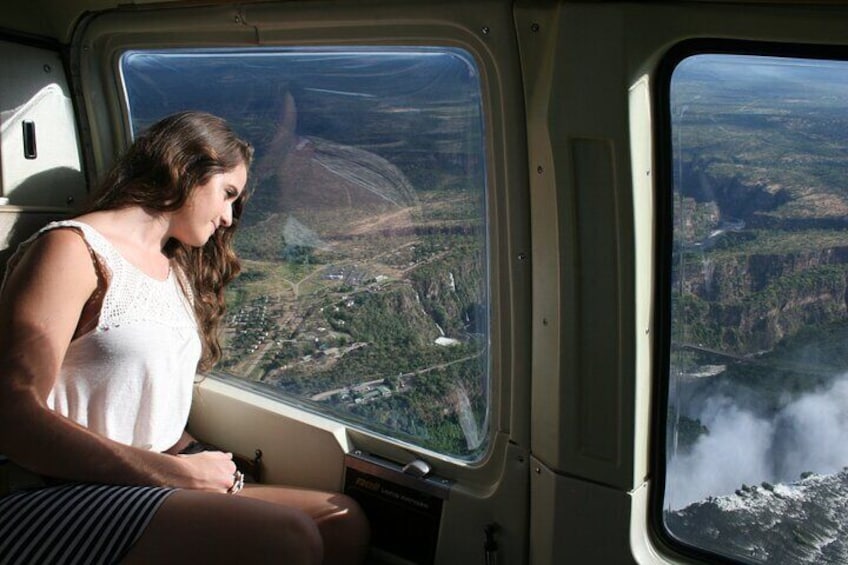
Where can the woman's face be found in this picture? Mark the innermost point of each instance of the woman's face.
(209, 207)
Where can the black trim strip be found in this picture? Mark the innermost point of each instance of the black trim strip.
(30, 39)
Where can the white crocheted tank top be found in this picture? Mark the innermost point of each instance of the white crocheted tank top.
(130, 378)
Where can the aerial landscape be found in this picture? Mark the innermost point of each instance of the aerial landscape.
(758, 357)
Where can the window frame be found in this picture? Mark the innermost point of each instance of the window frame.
(104, 38)
(410, 51)
(361, 427)
(664, 226)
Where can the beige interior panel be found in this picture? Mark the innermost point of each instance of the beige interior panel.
(34, 91)
(298, 448)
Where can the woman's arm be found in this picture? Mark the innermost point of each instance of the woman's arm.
(39, 311)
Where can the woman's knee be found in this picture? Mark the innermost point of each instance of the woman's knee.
(343, 526)
(346, 531)
(357, 520)
(294, 528)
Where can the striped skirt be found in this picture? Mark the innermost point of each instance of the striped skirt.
(75, 523)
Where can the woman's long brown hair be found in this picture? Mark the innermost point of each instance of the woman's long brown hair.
(158, 172)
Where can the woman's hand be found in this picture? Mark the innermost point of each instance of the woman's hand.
(210, 470)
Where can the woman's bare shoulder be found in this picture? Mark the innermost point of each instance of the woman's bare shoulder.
(58, 252)
(64, 243)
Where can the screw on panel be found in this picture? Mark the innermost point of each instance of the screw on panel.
(485, 30)
(237, 19)
(540, 170)
(534, 27)
(47, 68)
(69, 200)
(522, 256)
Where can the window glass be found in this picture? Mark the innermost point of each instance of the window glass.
(758, 395)
(364, 291)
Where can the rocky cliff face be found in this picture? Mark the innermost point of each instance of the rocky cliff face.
(760, 253)
(747, 302)
(800, 522)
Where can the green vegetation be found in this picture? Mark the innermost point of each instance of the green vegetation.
(760, 245)
(352, 327)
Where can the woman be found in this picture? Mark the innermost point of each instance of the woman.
(106, 319)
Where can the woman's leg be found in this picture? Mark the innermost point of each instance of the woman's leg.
(341, 522)
(201, 527)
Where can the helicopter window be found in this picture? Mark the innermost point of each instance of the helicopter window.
(757, 388)
(364, 289)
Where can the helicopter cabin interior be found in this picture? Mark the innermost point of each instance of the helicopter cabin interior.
(536, 281)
